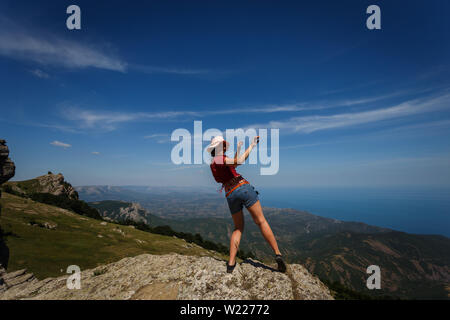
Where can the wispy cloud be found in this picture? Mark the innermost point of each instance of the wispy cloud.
(109, 120)
(95, 153)
(80, 119)
(159, 137)
(51, 50)
(309, 124)
(40, 74)
(54, 51)
(57, 143)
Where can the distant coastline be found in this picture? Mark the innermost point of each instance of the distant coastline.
(418, 210)
(414, 210)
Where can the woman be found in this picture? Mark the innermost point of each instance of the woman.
(239, 193)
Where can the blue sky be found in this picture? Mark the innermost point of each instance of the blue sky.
(355, 107)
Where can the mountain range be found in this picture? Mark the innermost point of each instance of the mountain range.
(42, 213)
(412, 265)
(121, 261)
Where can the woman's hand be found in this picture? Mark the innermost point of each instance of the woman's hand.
(255, 141)
(238, 160)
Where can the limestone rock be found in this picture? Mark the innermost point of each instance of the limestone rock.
(15, 279)
(49, 183)
(175, 276)
(56, 185)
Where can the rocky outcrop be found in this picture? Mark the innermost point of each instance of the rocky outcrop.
(7, 171)
(49, 183)
(13, 279)
(122, 211)
(56, 185)
(7, 167)
(179, 277)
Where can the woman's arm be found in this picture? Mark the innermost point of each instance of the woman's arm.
(238, 160)
(238, 151)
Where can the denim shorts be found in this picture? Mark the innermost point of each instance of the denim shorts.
(245, 195)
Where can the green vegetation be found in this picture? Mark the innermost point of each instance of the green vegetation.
(27, 186)
(155, 224)
(78, 240)
(341, 292)
(33, 246)
(339, 252)
(9, 189)
(82, 208)
(61, 201)
(189, 237)
(406, 261)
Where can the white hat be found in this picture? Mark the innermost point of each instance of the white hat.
(215, 142)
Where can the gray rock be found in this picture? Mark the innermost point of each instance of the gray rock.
(7, 167)
(49, 183)
(56, 185)
(180, 277)
(7, 171)
(14, 279)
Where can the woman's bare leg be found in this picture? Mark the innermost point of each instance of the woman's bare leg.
(238, 219)
(258, 216)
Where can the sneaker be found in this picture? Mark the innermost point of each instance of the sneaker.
(280, 262)
(230, 268)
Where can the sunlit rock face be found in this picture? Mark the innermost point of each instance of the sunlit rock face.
(174, 277)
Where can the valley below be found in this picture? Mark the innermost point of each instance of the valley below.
(412, 266)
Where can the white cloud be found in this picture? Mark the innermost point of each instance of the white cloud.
(110, 120)
(50, 50)
(156, 135)
(106, 119)
(46, 49)
(95, 152)
(159, 137)
(57, 143)
(40, 74)
(309, 124)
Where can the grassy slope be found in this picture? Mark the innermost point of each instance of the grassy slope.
(27, 186)
(76, 239)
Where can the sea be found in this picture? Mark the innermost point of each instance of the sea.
(424, 210)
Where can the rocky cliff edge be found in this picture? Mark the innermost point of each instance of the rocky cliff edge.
(170, 277)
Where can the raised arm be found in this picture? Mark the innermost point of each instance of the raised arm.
(238, 160)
